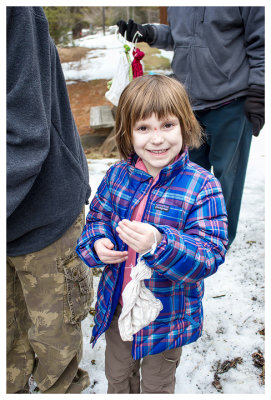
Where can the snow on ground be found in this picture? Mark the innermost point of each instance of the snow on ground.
(101, 62)
(233, 303)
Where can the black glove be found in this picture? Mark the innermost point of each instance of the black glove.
(146, 31)
(254, 108)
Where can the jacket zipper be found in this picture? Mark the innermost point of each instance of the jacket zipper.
(123, 247)
(143, 215)
(134, 346)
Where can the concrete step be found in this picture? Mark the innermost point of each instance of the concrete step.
(101, 117)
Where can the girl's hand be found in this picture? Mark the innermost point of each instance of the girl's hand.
(138, 235)
(103, 248)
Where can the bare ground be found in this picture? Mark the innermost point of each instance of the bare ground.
(83, 95)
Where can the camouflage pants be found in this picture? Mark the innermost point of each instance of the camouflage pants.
(49, 293)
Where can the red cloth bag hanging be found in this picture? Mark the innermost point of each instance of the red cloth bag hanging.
(136, 64)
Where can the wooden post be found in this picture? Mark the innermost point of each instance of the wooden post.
(163, 15)
(103, 18)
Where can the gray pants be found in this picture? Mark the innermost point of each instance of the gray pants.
(122, 371)
(49, 292)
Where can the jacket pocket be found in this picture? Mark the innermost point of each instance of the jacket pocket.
(192, 321)
(171, 358)
(193, 313)
(193, 295)
(171, 297)
(208, 81)
(78, 292)
(180, 64)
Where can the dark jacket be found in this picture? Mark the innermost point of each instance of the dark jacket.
(47, 172)
(218, 51)
(187, 206)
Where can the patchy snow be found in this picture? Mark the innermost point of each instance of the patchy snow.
(233, 303)
(102, 59)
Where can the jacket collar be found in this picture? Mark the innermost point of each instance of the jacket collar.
(166, 173)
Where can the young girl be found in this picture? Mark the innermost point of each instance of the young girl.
(155, 195)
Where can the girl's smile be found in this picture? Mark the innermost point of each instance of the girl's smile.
(157, 142)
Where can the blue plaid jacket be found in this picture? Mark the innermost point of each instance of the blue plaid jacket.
(187, 206)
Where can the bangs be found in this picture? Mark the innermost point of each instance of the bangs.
(155, 98)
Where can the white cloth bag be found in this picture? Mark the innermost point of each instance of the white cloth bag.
(120, 80)
(140, 307)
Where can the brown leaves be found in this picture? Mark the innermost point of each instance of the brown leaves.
(259, 362)
(222, 368)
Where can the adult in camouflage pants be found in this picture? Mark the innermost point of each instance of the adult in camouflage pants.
(49, 289)
(48, 293)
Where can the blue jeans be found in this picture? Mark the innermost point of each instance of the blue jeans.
(226, 149)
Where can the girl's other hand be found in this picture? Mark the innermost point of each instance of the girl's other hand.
(138, 235)
(103, 248)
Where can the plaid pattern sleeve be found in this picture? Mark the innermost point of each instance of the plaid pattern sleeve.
(98, 225)
(195, 252)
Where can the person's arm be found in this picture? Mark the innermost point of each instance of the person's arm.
(162, 38)
(253, 18)
(97, 245)
(196, 252)
(158, 36)
(28, 100)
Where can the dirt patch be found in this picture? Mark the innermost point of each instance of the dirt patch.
(83, 96)
(68, 54)
(95, 153)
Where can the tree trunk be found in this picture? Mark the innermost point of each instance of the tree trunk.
(103, 17)
(163, 15)
(76, 30)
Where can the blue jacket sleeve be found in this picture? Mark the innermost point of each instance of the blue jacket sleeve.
(28, 100)
(194, 253)
(98, 225)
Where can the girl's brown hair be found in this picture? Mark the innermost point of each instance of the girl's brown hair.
(156, 94)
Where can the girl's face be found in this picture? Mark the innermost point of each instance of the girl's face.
(157, 142)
